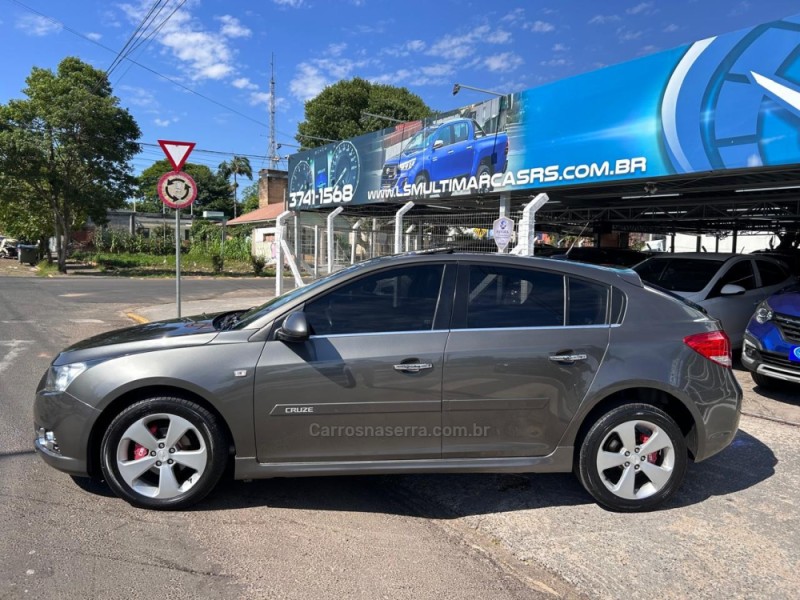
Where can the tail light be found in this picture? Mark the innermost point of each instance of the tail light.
(714, 345)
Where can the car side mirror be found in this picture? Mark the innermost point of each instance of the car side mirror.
(731, 289)
(294, 328)
(438, 144)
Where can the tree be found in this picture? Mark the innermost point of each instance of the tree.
(65, 149)
(212, 190)
(250, 199)
(239, 165)
(336, 113)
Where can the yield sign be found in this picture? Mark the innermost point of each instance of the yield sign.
(177, 152)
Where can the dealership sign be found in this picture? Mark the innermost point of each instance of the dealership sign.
(728, 102)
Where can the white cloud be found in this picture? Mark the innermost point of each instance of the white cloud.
(137, 96)
(503, 63)
(336, 49)
(37, 25)
(560, 48)
(308, 82)
(555, 62)
(670, 28)
(643, 7)
(499, 36)
(603, 19)
(514, 16)
(95, 37)
(540, 26)
(203, 54)
(231, 27)
(628, 35)
(410, 47)
(459, 47)
(439, 70)
(290, 3)
(162, 122)
(243, 83)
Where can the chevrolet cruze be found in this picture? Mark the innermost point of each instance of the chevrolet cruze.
(431, 362)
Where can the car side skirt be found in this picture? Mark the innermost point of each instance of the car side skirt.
(559, 461)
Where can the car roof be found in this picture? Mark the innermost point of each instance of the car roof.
(699, 255)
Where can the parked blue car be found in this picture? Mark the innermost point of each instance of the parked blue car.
(772, 341)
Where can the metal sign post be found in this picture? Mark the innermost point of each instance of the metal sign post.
(177, 190)
(178, 260)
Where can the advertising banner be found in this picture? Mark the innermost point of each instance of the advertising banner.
(728, 102)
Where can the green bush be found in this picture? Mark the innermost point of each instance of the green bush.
(258, 262)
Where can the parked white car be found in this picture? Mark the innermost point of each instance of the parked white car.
(728, 286)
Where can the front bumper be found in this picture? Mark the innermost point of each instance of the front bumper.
(63, 426)
(770, 363)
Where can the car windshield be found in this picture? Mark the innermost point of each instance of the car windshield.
(679, 274)
(255, 313)
(419, 140)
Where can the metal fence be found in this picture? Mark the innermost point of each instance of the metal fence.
(357, 236)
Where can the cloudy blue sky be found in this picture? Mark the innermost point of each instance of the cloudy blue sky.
(204, 75)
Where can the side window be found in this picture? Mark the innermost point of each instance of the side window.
(460, 132)
(771, 274)
(445, 135)
(510, 297)
(741, 273)
(400, 299)
(587, 303)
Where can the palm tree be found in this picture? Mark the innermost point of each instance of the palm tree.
(239, 165)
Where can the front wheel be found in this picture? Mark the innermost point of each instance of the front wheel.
(633, 458)
(163, 453)
(767, 383)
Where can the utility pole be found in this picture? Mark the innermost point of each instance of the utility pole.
(273, 149)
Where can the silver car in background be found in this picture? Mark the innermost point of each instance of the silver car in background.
(729, 287)
(432, 362)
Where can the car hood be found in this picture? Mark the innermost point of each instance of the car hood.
(174, 333)
(786, 301)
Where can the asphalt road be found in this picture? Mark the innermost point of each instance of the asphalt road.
(732, 531)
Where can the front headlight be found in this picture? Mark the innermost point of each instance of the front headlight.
(406, 165)
(763, 313)
(59, 378)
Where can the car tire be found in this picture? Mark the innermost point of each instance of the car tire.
(607, 467)
(765, 382)
(163, 453)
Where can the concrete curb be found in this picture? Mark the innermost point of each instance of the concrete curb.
(137, 318)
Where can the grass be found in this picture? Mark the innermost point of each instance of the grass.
(149, 265)
(46, 269)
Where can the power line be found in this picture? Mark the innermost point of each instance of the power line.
(140, 27)
(138, 64)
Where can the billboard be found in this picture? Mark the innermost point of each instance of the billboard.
(727, 102)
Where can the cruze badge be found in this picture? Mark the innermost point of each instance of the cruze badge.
(299, 409)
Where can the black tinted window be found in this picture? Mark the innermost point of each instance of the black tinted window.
(679, 274)
(508, 297)
(401, 299)
(771, 274)
(587, 303)
(741, 273)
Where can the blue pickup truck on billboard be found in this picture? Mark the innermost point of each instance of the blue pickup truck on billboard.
(444, 156)
(730, 102)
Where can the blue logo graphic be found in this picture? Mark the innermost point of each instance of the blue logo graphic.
(796, 352)
(734, 101)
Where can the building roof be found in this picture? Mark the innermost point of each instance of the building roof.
(269, 212)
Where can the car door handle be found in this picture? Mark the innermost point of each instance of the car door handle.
(567, 357)
(412, 367)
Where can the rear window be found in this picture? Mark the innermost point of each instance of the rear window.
(679, 274)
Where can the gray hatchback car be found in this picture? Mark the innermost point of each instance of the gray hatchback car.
(438, 362)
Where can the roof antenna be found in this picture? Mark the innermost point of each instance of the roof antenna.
(575, 241)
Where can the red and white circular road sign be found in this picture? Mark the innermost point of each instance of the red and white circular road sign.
(177, 189)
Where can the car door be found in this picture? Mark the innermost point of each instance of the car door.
(366, 385)
(734, 310)
(524, 348)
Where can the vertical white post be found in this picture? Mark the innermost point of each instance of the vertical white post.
(331, 216)
(280, 244)
(526, 233)
(316, 251)
(354, 240)
(178, 260)
(398, 226)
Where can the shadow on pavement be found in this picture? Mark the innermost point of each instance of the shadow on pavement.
(746, 463)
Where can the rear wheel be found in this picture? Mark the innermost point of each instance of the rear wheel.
(163, 453)
(633, 458)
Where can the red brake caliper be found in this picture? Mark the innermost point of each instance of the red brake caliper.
(140, 451)
(653, 456)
